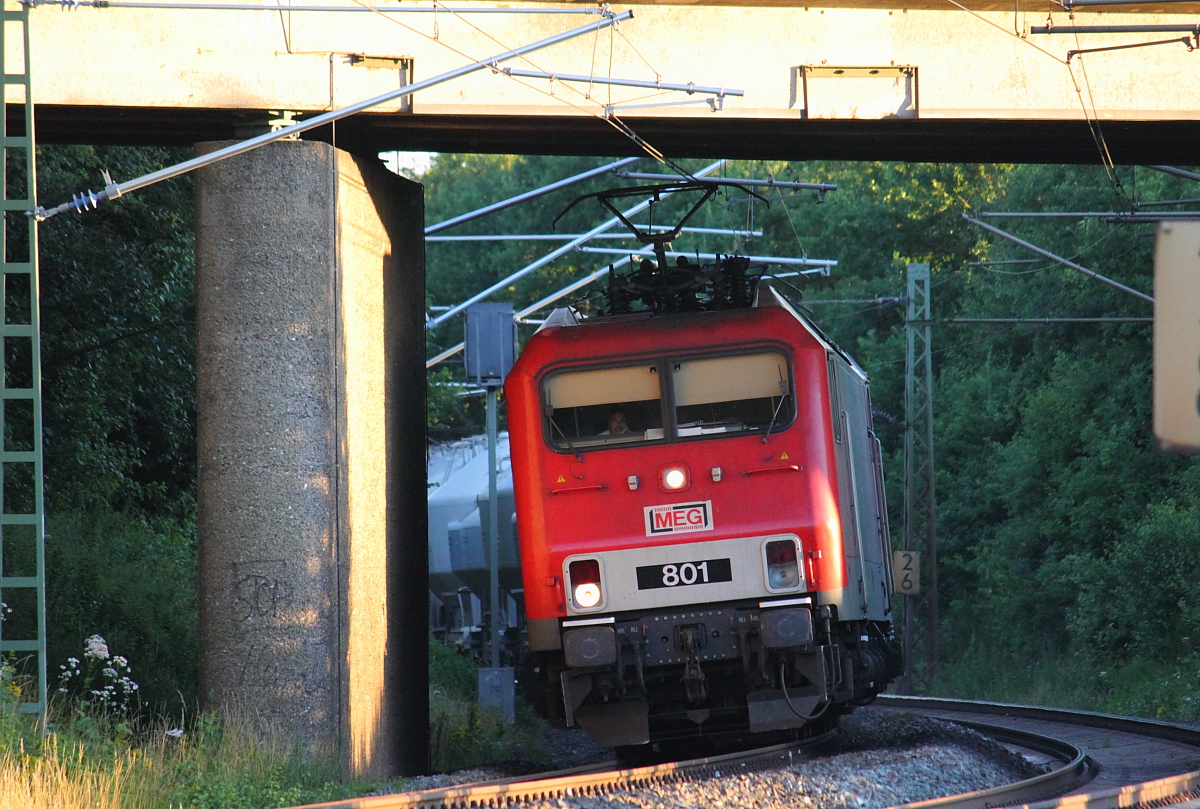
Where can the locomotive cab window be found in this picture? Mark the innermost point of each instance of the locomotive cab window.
(732, 394)
(602, 407)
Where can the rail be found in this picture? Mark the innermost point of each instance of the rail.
(1155, 793)
(1043, 791)
(579, 781)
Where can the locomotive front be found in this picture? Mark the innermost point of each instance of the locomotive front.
(703, 534)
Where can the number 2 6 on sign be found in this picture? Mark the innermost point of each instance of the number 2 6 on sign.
(906, 573)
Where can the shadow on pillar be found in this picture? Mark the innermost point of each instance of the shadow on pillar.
(311, 418)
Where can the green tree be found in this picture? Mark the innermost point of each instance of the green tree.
(118, 364)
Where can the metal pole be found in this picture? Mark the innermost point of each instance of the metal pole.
(1046, 320)
(803, 262)
(931, 597)
(528, 195)
(651, 85)
(1130, 216)
(1070, 4)
(91, 199)
(72, 4)
(1115, 29)
(528, 310)
(633, 175)
(493, 527)
(1187, 175)
(558, 237)
(1059, 259)
(546, 259)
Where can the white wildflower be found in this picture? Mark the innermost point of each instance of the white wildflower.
(120, 662)
(73, 662)
(175, 733)
(96, 647)
(108, 671)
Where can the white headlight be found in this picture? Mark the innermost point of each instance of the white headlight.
(587, 595)
(674, 478)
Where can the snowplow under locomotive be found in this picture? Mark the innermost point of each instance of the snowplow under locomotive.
(700, 505)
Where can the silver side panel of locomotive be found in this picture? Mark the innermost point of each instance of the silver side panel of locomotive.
(859, 464)
(861, 498)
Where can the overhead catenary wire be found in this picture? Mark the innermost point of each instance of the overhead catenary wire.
(551, 256)
(784, 260)
(768, 183)
(606, 115)
(1093, 125)
(1132, 216)
(555, 296)
(91, 199)
(1065, 262)
(528, 195)
(900, 299)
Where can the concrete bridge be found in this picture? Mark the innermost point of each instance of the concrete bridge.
(953, 80)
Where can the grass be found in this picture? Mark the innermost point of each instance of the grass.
(461, 734)
(89, 759)
(93, 759)
(1161, 689)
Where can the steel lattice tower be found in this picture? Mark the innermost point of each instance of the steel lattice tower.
(919, 523)
(22, 519)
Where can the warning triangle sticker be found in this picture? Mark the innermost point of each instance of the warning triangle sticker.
(561, 479)
(783, 456)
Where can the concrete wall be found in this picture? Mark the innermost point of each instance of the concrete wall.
(310, 275)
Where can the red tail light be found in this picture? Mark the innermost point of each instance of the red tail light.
(783, 571)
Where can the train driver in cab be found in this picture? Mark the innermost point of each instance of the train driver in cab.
(617, 425)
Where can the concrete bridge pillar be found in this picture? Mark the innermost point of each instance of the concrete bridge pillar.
(311, 390)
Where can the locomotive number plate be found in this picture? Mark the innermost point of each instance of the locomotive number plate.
(681, 574)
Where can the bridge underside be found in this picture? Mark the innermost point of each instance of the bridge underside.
(1005, 140)
(924, 80)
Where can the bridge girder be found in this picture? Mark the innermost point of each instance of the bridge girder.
(979, 92)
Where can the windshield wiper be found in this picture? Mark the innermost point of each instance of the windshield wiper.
(775, 416)
(570, 446)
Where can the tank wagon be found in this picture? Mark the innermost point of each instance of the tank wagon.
(701, 514)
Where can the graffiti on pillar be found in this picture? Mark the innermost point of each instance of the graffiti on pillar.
(261, 589)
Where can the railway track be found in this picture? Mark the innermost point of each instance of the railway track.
(1093, 761)
(1138, 762)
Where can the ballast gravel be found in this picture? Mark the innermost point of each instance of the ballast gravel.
(880, 759)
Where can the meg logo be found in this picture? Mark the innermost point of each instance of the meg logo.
(680, 518)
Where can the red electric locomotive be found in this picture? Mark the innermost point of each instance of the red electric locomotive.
(701, 513)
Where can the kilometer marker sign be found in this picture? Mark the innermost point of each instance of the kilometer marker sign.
(678, 518)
